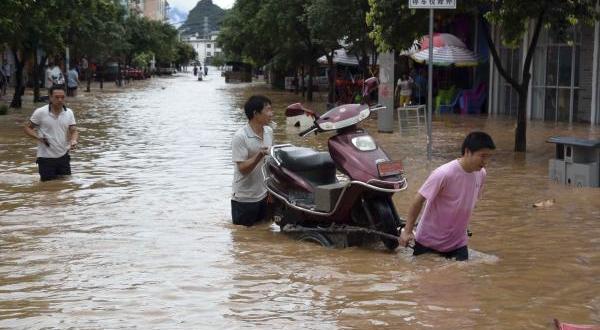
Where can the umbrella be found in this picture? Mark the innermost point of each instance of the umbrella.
(447, 50)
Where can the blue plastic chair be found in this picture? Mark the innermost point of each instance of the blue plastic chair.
(449, 108)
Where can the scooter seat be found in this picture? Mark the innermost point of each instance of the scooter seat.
(317, 167)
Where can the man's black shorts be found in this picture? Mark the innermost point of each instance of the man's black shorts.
(52, 168)
(460, 254)
(248, 214)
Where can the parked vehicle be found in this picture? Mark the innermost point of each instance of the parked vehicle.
(341, 197)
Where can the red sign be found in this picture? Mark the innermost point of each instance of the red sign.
(390, 168)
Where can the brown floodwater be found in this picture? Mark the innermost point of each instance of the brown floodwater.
(140, 235)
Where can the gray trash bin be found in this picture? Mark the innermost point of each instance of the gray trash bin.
(576, 162)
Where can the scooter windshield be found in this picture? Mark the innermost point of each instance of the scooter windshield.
(343, 116)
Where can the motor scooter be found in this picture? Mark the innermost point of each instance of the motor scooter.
(341, 197)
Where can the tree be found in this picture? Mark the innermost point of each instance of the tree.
(29, 32)
(513, 17)
(99, 32)
(328, 30)
(395, 26)
(185, 53)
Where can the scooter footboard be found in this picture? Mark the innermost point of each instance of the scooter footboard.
(384, 186)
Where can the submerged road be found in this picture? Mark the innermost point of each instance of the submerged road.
(140, 235)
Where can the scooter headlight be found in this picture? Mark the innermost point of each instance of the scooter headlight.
(327, 126)
(364, 143)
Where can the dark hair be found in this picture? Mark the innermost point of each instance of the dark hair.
(56, 87)
(255, 104)
(476, 141)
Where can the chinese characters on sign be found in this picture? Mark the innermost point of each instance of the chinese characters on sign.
(432, 4)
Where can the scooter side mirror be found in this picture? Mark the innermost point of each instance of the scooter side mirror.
(369, 86)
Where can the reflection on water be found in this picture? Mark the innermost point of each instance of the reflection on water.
(140, 236)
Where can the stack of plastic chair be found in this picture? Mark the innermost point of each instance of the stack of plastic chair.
(472, 100)
(449, 108)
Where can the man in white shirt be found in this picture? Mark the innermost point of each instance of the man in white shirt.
(249, 146)
(53, 127)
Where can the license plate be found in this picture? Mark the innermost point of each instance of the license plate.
(390, 168)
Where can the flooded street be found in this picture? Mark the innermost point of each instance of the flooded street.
(141, 237)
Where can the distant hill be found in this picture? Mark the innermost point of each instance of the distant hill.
(195, 19)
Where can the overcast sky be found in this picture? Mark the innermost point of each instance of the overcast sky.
(187, 5)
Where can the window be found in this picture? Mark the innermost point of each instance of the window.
(511, 60)
(208, 45)
(556, 78)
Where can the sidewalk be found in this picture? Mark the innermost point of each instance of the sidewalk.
(108, 87)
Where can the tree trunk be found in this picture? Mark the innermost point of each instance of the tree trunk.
(521, 131)
(309, 91)
(19, 88)
(119, 77)
(88, 77)
(296, 82)
(331, 79)
(36, 76)
(303, 82)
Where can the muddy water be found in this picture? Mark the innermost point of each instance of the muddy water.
(140, 235)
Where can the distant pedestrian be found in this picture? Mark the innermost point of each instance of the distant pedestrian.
(404, 89)
(6, 71)
(249, 146)
(195, 70)
(205, 70)
(420, 86)
(54, 76)
(72, 82)
(48, 76)
(53, 127)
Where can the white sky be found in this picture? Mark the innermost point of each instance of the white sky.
(187, 5)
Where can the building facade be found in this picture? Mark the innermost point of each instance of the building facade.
(564, 83)
(152, 9)
(156, 10)
(205, 46)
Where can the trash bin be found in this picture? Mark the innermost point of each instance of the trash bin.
(576, 162)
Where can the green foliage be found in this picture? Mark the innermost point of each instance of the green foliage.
(218, 59)
(142, 60)
(394, 25)
(3, 109)
(512, 16)
(185, 53)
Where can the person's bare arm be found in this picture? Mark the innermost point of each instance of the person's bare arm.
(248, 165)
(73, 136)
(30, 131)
(413, 212)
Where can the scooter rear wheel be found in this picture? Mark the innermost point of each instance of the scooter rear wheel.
(316, 237)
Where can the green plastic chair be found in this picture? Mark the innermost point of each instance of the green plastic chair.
(444, 96)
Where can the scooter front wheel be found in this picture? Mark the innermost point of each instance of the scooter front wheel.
(385, 220)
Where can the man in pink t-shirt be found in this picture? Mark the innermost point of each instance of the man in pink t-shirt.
(451, 192)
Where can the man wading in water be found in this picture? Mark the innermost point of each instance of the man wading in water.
(53, 127)
(451, 192)
(249, 145)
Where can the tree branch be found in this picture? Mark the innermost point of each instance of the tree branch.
(532, 46)
(492, 47)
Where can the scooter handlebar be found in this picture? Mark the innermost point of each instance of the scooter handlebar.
(308, 130)
(377, 107)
